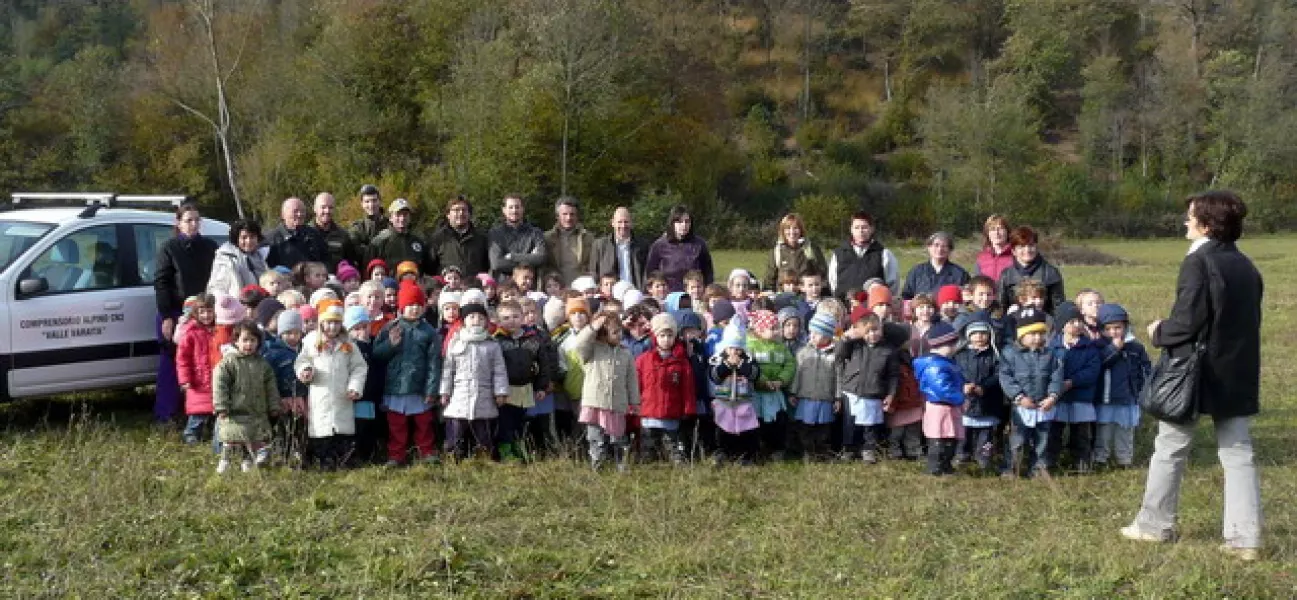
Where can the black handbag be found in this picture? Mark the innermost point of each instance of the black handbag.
(1171, 393)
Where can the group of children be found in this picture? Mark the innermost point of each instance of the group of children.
(330, 371)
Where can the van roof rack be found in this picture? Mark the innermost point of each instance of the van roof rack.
(93, 201)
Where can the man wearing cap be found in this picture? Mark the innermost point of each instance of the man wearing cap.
(294, 241)
(620, 253)
(458, 243)
(397, 243)
(337, 241)
(366, 228)
(568, 244)
(928, 277)
(514, 241)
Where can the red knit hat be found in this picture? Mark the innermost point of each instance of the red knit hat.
(860, 312)
(881, 294)
(374, 264)
(949, 293)
(409, 293)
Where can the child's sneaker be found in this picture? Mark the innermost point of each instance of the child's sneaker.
(222, 466)
(869, 456)
(263, 457)
(432, 460)
(245, 466)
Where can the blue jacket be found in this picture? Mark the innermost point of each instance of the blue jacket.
(374, 386)
(1125, 372)
(414, 365)
(982, 368)
(281, 359)
(1036, 374)
(1082, 365)
(940, 380)
(713, 338)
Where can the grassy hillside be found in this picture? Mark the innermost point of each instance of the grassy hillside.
(94, 502)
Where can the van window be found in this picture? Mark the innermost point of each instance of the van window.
(17, 237)
(84, 260)
(148, 240)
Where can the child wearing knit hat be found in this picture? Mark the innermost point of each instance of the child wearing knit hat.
(310, 317)
(335, 371)
(369, 428)
(942, 385)
(273, 282)
(1126, 372)
(880, 302)
(950, 301)
(411, 350)
(721, 312)
(229, 310)
(734, 374)
(288, 441)
(778, 368)
(815, 391)
(1032, 379)
(1075, 413)
(667, 391)
(376, 270)
(984, 406)
(527, 363)
(349, 276)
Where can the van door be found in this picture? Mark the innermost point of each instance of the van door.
(78, 332)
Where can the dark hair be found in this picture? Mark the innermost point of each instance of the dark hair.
(1023, 236)
(1221, 212)
(204, 300)
(677, 214)
(180, 212)
(568, 201)
(460, 199)
(246, 326)
(763, 303)
(981, 281)
(242, 225)
(863, 216)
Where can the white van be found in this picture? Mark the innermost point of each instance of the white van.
(77, 308)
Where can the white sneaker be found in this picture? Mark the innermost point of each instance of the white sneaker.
(1132, 532)
(246, 465)
(222, 466)
(263, 457)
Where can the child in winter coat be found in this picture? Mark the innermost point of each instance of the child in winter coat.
(1082, 366)
(474, 382)
(942, 386)
(700, 429)
(194, 366)
(1032, 379)
(791, 332)
(289, 436)
(722, 312)
(869, 370)
(734, 374)
(778, 368)
(1126, 369)
(228, 312)
(411, 350)
(984, 407)
(370, 429)
(815, 390)
(667, 392)
(244, 398)
(609, 390)
(335, 370)
(529, 371)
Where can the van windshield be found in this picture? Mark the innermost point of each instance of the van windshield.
(17, 237)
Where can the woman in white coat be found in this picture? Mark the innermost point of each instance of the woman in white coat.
(335, 370)
(238, 262)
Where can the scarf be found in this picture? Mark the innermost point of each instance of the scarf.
(465, 336)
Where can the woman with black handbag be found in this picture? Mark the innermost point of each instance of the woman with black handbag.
(1213, 344)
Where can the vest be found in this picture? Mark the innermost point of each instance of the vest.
(854, 270)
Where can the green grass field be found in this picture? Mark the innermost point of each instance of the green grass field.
(95, 502)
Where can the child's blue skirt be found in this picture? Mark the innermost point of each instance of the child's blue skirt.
(866, 412)
(1075, 412)
(544, 407)
(768, 405)
(814, 412)
(1124, 415)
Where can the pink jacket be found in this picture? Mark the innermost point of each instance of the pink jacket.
(194, 367)
(990, 264)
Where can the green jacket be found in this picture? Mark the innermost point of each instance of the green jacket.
(244, 388)
(414, 365)
(776, 361)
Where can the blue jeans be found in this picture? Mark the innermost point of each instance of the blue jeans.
(194, 427)
(1028, 446)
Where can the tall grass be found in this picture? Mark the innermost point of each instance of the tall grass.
(94, 502)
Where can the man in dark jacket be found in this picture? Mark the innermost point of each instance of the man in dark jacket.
(1218, 304)
(294, 241)
(397, 243)
(862, 258)
(337, 240)
(620, 253)
(458, 243)
(366, 228)
(514, 241)
(568, 245)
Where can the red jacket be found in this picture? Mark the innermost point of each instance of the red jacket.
(194, 367)
(666, 384)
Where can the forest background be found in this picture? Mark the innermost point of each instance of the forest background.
(1082, 117)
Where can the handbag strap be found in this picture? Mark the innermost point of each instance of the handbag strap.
(1200, 344)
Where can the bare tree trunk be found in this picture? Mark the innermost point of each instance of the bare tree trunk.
(806, 64)
(887, 78)
(222, 124)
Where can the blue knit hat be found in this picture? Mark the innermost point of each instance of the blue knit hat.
(734, 336)
(687, 319)
(355, 315)
(824, 324)
(722, 311)
(940, 334)
(289, 320)
(282, 270)
(389, 283)
(1113, 313)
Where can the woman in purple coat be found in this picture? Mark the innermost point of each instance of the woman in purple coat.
(679, 251)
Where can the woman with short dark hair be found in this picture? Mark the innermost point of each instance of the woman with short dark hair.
(238, 262)
(182, 267)
(1217, 302)
(679, 251)
(1029, 263)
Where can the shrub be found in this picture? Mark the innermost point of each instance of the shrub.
(825, 215)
